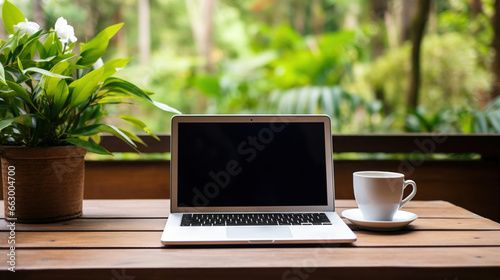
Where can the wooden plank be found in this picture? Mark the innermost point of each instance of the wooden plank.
(147, 239)
(417, 143)
(124, 224)
(351, 203)
(264, 273)
(448, 212)
(109, 208)
(454, 224)
(160, 208)
(92, 225)
(140, 179)
(86, 239)
(432, 257)
(158, 225)
(95, 208)
(445, 224)
(409, 238)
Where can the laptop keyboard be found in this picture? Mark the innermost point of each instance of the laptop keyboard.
(260, 219)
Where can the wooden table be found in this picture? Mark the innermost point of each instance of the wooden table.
(120, 240)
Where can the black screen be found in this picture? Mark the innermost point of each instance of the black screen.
(251, 164)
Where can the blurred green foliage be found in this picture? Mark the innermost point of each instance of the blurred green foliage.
(308, 57)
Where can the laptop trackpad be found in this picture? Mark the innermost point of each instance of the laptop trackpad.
(252, 233)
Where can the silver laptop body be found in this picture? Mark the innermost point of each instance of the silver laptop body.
(258, 165)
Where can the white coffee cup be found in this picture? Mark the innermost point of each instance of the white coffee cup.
(379, 194)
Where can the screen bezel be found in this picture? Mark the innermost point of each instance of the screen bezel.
(176, 120)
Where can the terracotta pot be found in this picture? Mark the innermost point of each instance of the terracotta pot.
(45, 183)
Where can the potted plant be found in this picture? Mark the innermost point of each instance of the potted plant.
(52, 104)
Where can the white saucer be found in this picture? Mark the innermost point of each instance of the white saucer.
(401, 219)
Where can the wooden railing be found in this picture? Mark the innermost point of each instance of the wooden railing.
(484, 144)
(471, 183)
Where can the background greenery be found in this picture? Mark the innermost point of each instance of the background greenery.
(343, 58)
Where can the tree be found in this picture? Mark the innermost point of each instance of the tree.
(476, 7)
(201, 17)
(144, 32)
(119, 39)
(378, 10)
(406, 7)
(317, 17)
(495, 66)
(418, 23)
(38, 15)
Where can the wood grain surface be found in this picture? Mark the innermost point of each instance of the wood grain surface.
(120, 239)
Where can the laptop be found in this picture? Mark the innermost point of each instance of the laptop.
(252, 179)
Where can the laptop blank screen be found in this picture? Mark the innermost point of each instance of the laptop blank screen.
(251, 164)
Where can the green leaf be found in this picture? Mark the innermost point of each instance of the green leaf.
(41, 50)
(110, 99)
(208, 85)
(11, 16)
(92, 114)
(7, 45)
(287, 100)
(50, 83)
(22, 79)
(20, 92)
(7, 93)
(87, 130)
(114, 84)
(111, 67)
(336, 93)
(494, 118)
(19, 64)
(24, 120)
(314, 100)
(2, 74)
(116, 132)
(85, 86)
(6, 122)
(98, 128)
(480, 124)
(302, 100)
(132, 136)
(45, 72)
(61, 96)
(44, 59)
(29, 47)
(139, 124)
(165, 107)
(326, 101)
(95, 48)
(49, 42)
(89, 146)
(96, 138)
(64, 57)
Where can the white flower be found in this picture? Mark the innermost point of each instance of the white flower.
(98, 64)
(65, 32)
(28, 27)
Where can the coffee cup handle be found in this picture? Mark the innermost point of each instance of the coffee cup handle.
(411, 195)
